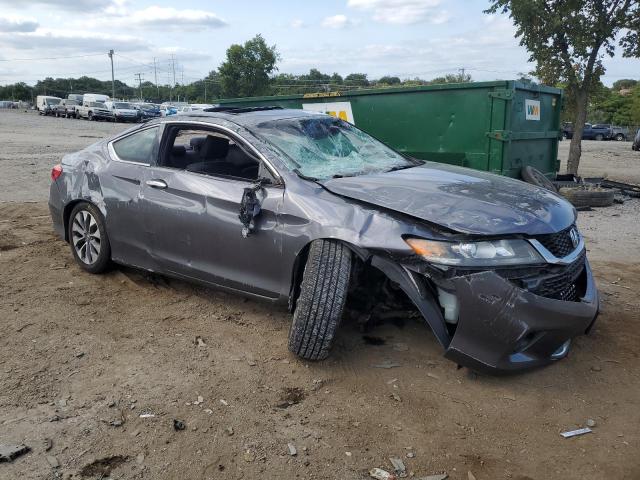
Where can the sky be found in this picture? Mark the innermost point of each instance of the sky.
(405, 38)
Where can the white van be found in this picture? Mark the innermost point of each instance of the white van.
(123, 111)
(95, 98)
(46, 105)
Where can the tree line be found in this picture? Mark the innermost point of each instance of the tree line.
(248, 70)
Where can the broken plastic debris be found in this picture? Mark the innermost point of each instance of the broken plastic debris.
(380, 474)
(147, 415)
(438, 476)
(575, 433)
(9, 452)
(292, 449)
(398, 466)
(224, 402)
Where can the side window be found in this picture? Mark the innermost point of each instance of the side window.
(209, 152)
(137, 147)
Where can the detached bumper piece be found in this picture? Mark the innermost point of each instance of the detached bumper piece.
(510, 324)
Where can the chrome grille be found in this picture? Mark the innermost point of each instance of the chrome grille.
(559, 243)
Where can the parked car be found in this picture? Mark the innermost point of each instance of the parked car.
(46, 104)
(619, 134)
(66, 108)
(590, 132)
(168, 110)
(148, 110)
(195, 107)
(95, 97)
(93, 111)
(123, 111)
(305, 209)
(636, 141)
(77, 97)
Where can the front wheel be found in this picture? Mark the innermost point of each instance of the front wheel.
(90, 116)
(620, 137)
(323, 293)
(599, 137)
(88, 238)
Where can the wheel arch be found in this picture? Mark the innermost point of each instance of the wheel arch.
(301, 260)
(409, 282)
(68, 208)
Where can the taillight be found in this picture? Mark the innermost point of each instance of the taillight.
(56, 172)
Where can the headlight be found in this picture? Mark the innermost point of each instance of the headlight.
(490, 253)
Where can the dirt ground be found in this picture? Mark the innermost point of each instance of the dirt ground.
(95, 369)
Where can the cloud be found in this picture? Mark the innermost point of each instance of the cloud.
(75, 5)
(296, 23)
(155, 16)
(68, 41)
(11, 23)
(402, 12)
(336, 22)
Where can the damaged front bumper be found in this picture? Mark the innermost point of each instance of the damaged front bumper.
(501, 327)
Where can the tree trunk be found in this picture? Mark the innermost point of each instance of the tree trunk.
(575, 149)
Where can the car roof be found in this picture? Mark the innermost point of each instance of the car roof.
(249, 117)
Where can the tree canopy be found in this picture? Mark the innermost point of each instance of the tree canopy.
(247, 68)
(568, 40)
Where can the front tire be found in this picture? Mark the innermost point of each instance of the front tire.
(323, 294)
(88, 238)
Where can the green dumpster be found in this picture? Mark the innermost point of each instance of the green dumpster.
(496, 126)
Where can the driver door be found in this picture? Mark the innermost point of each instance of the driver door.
(191, 213)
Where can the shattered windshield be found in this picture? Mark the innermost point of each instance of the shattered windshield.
(324, 147)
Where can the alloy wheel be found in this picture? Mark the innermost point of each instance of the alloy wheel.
(86, 237)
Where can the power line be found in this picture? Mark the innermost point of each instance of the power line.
(50, 58)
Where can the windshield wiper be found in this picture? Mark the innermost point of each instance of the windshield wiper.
(305, 177)
(401, 167)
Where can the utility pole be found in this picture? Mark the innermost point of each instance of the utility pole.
(173, 68)
(155, 73)
(139, 78)
(113, 81)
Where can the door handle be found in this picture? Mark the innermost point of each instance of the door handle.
(160, 184)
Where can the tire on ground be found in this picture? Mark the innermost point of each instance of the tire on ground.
(536, 177)
(104, 258)
(592, 197)
(323, 293)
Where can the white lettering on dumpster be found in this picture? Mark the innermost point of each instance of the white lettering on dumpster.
(532, 109)
(335, 109)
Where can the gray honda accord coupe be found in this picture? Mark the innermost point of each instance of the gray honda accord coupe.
(306, 210)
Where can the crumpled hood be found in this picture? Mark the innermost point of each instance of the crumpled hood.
(461, 199)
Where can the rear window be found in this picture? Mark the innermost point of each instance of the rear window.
(122, 105)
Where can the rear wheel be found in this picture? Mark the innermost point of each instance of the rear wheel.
(620, 137)
(599, 137)
(323, 293)
(88, 238)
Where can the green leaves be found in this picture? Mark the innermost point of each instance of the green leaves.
(247, 68)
